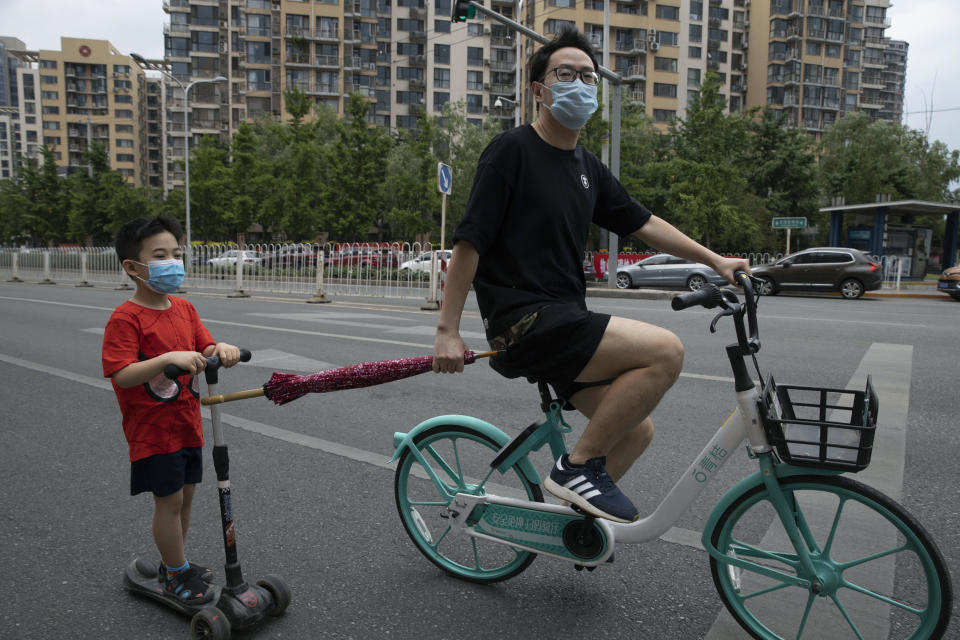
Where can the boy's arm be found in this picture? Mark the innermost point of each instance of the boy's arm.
(146, 370)
(448, 346)
(661, 235)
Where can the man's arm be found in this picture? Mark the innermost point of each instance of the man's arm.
(663, 236)
(448, 346)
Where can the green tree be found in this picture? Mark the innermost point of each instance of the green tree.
(210, 189)
(100, 199)
(45, 216)
(354, 166)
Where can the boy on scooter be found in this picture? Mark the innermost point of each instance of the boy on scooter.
(161, 417)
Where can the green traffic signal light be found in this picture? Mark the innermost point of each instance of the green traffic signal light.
(462, 11)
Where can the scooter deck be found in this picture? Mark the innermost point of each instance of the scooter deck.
(141, 578)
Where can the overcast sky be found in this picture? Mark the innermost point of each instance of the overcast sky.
(930, 26)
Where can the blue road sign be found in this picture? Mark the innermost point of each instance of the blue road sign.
(444, 178)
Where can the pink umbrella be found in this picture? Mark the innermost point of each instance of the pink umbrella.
(286, 387)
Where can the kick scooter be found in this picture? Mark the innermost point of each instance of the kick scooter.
(237, 604)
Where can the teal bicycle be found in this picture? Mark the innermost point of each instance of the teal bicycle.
(797, 550)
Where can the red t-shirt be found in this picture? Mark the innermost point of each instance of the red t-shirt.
(159, 416)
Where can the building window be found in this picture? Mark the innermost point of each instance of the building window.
(124, 157)
(475, 29)
(696, 9)
(665, 64)
(123, 142)
(441, 26)
(50, 111)
(409, 97)
(475, 56)
(664, 90)
(51, 125)
(693, 77)
(556, 26)
(475, 80)
(124, 128)
(441, 8)
(668, 38)
(48, 64)
(666, 12)
(51, 140)
(440, 98)
(441, 53)
(441, 78)
(123, 99)
(206, 41)
(694, 52)
(257, 52)
(123, 113)
(664, 115)
(474, 103)
(696, 33)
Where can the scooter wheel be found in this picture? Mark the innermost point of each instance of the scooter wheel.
(280, 592)
(210, 624)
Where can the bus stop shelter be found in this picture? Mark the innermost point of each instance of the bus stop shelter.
(880, 216)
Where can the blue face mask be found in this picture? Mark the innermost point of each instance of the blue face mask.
(166, 276)
(573, 103)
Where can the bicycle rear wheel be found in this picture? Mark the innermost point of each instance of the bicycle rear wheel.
(458, 458)
(859, 540)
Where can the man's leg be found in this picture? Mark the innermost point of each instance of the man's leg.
(645, 361)
(626, 450)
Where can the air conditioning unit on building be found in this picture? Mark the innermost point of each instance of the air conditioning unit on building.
(486, 32)
(654, 46)
(486, 86)
(651, 34)
(486, 62)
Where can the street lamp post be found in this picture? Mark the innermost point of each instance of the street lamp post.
(186, 134)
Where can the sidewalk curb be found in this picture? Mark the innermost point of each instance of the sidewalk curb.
(661, 294)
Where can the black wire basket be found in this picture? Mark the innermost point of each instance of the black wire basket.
(816, 427)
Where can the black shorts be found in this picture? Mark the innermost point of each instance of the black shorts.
(552, 344)
(166, 473)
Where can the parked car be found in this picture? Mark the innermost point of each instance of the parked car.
(294, 256)
(422, 262)
(949, 282)
(665, 270)
(229, 259)
(849, 271)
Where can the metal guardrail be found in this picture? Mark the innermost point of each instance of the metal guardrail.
(349, 269)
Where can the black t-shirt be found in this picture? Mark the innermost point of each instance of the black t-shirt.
(529, 215)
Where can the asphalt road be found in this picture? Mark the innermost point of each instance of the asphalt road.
(313, 495)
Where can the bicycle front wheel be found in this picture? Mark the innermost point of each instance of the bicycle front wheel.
(457, 461)
(878, 572)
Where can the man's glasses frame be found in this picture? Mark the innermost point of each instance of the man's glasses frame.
(566, 74)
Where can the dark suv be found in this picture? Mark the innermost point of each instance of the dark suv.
(849, 271)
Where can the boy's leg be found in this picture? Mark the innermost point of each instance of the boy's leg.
(645, 361)
(168, 529)
(185, 509)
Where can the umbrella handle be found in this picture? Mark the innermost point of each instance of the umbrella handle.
(485, 354)
(230, 397)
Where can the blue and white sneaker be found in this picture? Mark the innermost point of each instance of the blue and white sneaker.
(591, 488)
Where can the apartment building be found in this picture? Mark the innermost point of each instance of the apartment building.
(894, 80)
(9, 106)
(814, 60)
(86, 92)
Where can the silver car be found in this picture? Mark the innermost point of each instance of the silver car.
(665, 270)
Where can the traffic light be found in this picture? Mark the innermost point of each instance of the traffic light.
(462, 11)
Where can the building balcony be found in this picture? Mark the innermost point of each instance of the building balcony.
(176, 5)
(326, 90)
(176, 29)
(635, 72)
(328, 34)
(503, 65)
(502, 88)
(327, 61)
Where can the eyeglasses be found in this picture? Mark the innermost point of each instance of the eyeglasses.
(566, 74)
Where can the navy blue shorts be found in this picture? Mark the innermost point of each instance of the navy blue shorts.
(166, 473)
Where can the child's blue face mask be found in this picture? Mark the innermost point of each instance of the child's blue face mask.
(166, 276)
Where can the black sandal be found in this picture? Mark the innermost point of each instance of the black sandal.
(188, 587)
(206, 574)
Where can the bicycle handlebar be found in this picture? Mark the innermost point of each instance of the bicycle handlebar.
(710, 296)
(172, 371)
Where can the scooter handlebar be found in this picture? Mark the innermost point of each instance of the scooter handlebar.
(173, 372)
